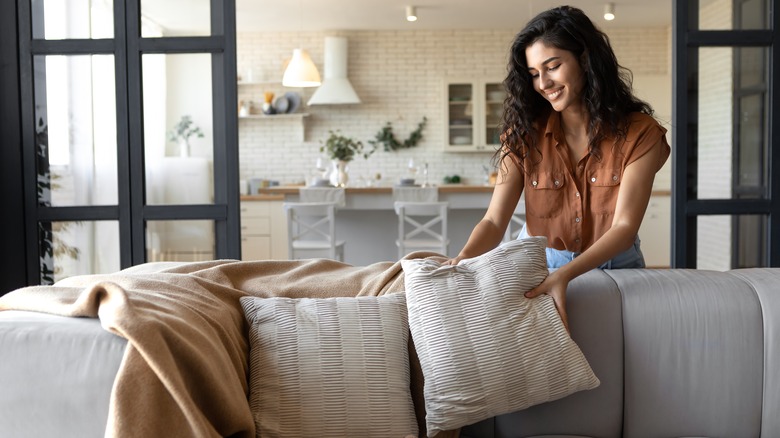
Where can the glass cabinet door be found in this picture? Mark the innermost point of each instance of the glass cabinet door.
(460, 102)
(493, 110)
(473, 111)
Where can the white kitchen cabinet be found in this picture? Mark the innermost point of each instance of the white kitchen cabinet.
(472, 114)
(263, 230)
(656, 230)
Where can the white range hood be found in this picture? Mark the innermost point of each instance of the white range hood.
(335, 88)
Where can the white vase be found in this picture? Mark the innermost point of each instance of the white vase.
(184, 147)
(339, 175)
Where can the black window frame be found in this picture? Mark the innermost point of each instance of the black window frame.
(686, 208)
(131, 212)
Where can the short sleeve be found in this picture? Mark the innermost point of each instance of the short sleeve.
(645, 134)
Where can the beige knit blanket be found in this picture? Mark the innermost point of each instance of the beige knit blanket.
(184, 372)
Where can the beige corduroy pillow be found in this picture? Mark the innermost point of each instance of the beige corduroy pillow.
(334, 367)
(484, 348)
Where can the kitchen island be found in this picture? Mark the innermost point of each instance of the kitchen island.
(367, 222)
(369, 225)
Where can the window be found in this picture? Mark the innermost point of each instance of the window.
(128, 156)
(724, 207)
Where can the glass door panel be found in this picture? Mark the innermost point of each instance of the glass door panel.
(78, 248)
(67, 19)
(172, 18)
(75, 124)
(179, 240)
(732, 126)
(734, 15)
(178, 129)
(731, 241)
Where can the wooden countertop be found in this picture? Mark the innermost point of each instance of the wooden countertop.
(264, 193)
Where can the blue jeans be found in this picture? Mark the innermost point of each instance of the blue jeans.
(630, 258)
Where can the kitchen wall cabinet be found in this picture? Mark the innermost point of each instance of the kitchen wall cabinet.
(472, 114)
(655, 231)
(263, 230)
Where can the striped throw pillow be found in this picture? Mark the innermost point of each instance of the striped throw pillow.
(333, 367)
(484, 348)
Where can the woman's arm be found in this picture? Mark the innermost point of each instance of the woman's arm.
(487, 234)
(633, 197)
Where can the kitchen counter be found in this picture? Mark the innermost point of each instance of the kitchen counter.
(459, 196)
(370, 226)
(445, 188)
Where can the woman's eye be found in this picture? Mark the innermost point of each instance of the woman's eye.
(554, 68)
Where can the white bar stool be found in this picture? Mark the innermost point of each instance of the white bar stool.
(311, 229)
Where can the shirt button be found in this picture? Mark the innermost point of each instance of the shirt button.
(614, 177)
(576, 219)
(557, 183)
(577, 240)
(577, 194)
(593, 179)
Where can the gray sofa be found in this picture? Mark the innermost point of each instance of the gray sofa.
(678, 352)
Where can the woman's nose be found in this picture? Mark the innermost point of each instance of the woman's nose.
(544, 81)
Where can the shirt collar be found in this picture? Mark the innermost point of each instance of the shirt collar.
(553, 128)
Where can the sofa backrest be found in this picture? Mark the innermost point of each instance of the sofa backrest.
(678, 352)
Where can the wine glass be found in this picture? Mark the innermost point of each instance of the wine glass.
(412, 167)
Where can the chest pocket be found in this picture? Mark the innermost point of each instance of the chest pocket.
(604, 185)
(544, 194)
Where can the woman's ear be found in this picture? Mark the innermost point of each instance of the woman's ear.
(584, 60)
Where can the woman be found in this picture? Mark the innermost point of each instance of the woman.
(580, 145)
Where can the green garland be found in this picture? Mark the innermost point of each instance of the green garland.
(386, 137)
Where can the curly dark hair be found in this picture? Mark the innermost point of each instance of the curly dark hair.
(607, 92)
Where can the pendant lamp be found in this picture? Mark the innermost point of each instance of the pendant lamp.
(301, 71)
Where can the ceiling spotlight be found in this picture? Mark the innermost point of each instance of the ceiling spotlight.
(609, 11)
(411, 13)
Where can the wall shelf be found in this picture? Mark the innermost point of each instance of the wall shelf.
(275, 116)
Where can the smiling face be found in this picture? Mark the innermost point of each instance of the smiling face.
(557, 76)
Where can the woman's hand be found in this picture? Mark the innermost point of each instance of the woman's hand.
(555, 286)
(453, 261)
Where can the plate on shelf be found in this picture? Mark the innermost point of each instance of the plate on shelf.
(496, 96)
(461, 140)
(294, 99)
(281, 105)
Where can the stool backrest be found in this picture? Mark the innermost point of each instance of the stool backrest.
(415, 194)
(310, 225)
(323, 194)
(422, 225)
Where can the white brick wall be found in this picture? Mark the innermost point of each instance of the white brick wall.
(398, 76)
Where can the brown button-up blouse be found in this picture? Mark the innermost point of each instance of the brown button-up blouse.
(573, 207)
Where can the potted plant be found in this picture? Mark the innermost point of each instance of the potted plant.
(341, 150)
(182, 132)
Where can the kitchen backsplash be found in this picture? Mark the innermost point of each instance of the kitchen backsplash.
(399, 77)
